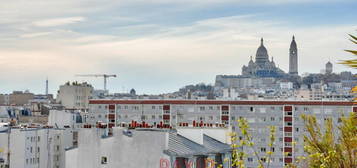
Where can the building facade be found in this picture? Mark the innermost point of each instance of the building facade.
(16, 98)
(150, 147)
(262, 67)
(34, 147)
(284, 115)
(75, 95)
(328, 67)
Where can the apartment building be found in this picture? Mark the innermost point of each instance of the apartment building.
(150, 147)
(75, 95)
(284, 115)
(34, 147)
(16, 98)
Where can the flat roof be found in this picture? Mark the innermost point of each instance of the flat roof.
(224, 102)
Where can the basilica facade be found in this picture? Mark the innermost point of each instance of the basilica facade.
(263, 67)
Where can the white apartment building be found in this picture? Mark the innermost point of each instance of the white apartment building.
(151, 148)
(284, 115)
(65, 118)
(34, 147)
(75, 95)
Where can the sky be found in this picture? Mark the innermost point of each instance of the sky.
(158, 46)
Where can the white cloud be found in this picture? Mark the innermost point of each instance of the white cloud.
(58, 21)
(166, 58)
(39, 34)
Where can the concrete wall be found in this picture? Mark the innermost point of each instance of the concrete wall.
(143, 148)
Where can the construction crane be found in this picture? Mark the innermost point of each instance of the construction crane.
(105, 76)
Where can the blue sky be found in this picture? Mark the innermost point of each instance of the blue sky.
(159, 46)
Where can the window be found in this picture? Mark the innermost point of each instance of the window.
(288, 113)
(272, 118)
(251, 109)
(263, 159)
(297, 129)
(153, 107)
(104, 160)
(210, 107)
(288, 144)
(202, 108)
(262, 149)
(250, 159)
(153, 116)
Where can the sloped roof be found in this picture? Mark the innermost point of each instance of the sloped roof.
(181, 146)
(215, 146)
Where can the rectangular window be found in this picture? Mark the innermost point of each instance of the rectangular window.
(262, 149)
(104, 160)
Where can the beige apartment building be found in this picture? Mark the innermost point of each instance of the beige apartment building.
(16, 98)
(75, 95)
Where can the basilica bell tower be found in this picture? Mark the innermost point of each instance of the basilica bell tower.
(293, 58)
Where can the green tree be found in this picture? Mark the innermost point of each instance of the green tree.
(245, 140)
(325, 148)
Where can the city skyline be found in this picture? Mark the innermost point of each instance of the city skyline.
(159, 46)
